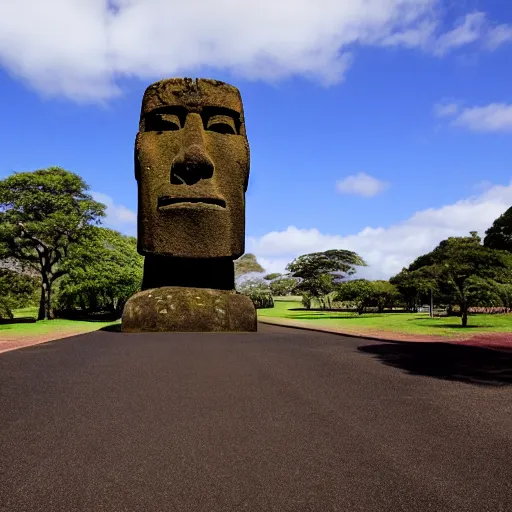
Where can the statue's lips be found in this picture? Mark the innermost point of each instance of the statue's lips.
(172, 203)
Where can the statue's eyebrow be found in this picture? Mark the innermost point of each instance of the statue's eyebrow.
(209, 111)
(206, 112)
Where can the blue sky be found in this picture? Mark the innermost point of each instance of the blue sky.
(379, 127)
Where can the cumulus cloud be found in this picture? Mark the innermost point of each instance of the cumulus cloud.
(117, 216)
(496, 117)
(80, 48)
(361, 184)
(499, 35)
(469, 31)
(445, 109)
(388, 249)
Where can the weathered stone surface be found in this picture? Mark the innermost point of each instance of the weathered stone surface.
(192, 170)
(178, 309)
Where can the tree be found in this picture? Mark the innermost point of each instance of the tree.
(102, 274)
(461, 263)
(272, 276)
(42, 215)
(318, 272)
(413, 288)
(17, 290)
(283, 286)
(499, 235)
(357, 291)
(246, 264)
(384, 294)
(258, 291)
(318, 287)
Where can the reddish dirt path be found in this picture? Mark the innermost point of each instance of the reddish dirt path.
(13, 342)
(496, 340)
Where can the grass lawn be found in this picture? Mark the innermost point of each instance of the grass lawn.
(409, 323)
(45, 327)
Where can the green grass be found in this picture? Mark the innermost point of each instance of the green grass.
(410, 323)
(25, 312)
(44, 327)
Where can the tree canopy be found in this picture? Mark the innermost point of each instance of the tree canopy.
(319, 272)
(101, 274)
(247, 264)
(42, 215)
(499, 235)
(465, 266)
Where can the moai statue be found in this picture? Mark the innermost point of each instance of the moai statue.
(192, 171)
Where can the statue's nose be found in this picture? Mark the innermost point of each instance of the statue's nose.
(192, 163)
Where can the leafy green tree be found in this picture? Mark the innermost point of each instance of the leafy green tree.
(102, 274)
(499, 235)
(461, 263)
(258, 291)
(17, 290)
(319, 271)
(358, 291)
(247, 264)
(42, 215)
(271, 277)
(318, 288)
(413, 288)
(283, 286)
(384, 294)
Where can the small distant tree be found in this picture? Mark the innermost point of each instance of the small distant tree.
(359, 292)
(283, 286)
(42, 215)
(272, 277)
(247, 264)
(385, 295)
(413, 288)
(258, 291)
(319, 271)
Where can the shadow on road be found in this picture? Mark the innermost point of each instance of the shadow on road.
(474, 365)
(111, 328)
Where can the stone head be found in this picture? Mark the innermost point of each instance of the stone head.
(192, 170)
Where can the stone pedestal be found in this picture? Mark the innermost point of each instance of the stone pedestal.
(180, 309)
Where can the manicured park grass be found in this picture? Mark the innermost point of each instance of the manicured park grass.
(44, 327)
(409, 323)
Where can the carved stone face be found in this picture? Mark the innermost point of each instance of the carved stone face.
(192, 169)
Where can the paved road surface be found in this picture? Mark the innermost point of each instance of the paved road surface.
(279, 420)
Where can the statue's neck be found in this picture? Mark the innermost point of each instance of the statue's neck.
(216, 273)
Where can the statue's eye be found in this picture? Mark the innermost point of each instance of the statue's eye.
(163, 123)
(221, 124)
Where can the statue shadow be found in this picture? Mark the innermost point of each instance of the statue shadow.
(474, 365)
(111, 328)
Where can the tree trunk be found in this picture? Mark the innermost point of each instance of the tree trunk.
(464, 315)
(45, 302)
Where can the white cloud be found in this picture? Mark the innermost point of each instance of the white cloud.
(79, 48)
(496, 117)
(499, 35)
(117, 216)
(388, 250)
(469, 31)
(361, 184)
(445, 109)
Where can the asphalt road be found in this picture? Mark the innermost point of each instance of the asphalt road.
(279, 420)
